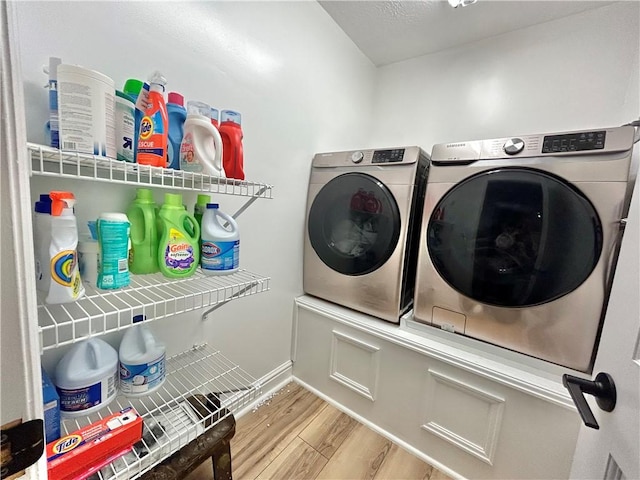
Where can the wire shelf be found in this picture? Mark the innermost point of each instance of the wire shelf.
(48, 161)
(169, 420)
(104, 311)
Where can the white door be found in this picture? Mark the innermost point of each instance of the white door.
(613, 451)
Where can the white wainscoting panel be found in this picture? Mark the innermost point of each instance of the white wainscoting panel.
(355, 364)
(463, 415)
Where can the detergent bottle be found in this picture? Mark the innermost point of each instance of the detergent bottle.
(142, 360)
(142, 215)
(65, 284)
(154, 126)
(231, 133)
(201, 148)
(132, 88)
(220, 242)
(200, 207)
(179, 232)
(177, 115)
(113, 248)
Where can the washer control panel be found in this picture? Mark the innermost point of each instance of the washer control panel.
(574, 142)
(388, 156)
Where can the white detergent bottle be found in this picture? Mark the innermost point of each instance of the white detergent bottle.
(220, 242)
(86, 377)
(65, 284)
(142, 361)
(201, 147)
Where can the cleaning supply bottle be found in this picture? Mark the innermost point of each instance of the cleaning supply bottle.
(132, 88)
(177, 115)
(201, 148)
(179, 249)
(65, 284)
(220, 244)
(142, 215)
(142, 360)
(125, 127)
(231, 133)
(42, 240)
(113, 247)
(54, 119)
(200, 207)
(154, 126)
(86, 377)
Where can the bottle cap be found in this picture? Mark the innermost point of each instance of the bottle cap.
(175, 98)
(61, 201)
(173, 200)
(213, 205)
(144, 194)
(156, 78)
(231, 116)
(198, 108)
(203, 199)
(133, 87)
(44, 204)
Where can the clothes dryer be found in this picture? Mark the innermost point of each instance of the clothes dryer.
(362, 229)
(519, 238)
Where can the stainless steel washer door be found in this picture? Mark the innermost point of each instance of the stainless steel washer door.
(514, 237)
(354, 224)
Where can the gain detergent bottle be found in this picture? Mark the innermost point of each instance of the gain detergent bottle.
(179, 232)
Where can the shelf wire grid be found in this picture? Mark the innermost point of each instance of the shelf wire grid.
(103, 311)
(48, 161)
(169, 421)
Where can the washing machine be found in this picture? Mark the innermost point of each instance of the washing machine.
(362, 230)
(519, 238)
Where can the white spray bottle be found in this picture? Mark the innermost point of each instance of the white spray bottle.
(66, 285)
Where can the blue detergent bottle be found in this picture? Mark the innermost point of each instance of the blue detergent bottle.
(177, 115)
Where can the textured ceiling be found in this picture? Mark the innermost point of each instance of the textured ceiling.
(392, 31)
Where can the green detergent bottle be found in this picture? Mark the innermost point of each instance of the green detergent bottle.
(200, 207)
(179, 248)
(142, 215)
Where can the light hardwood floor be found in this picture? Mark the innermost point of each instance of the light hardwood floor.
(296, 435)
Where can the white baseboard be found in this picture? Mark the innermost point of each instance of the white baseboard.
(381, 431)
(269, 383)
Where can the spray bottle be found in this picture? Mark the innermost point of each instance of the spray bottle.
(66, 285)
(154, 126)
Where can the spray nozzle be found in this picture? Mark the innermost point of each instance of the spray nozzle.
(61, 201)
(157, 78)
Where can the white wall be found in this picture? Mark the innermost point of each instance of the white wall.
(301, 86)
(573, 73)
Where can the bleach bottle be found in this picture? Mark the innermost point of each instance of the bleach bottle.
(231, 133)
(86, 377)
(178, 251)
(65, 284)
(201, 148)
(220, 244)
(142, 361)
(142, 215)
(177, 115)
(154, 126)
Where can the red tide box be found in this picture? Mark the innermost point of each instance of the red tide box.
(73, 454)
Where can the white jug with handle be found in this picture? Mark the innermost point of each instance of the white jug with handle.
(201, 147)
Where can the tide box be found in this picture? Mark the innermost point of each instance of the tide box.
(73, 454)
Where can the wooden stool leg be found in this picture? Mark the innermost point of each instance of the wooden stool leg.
(221, 460)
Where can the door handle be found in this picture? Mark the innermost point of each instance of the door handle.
(603, 388)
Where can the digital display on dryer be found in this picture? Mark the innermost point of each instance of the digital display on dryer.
(388, 156)
(574, 142)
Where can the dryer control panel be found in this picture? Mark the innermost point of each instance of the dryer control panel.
(618, 139)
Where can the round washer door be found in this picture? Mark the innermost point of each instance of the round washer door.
(514, 237)
(354, 224)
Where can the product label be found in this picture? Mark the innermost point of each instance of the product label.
(179, 252)
(64, 271)
(141, 378)
(151, 130)
(79, 399)
(220, 256)
(188, 160)
(125, 129)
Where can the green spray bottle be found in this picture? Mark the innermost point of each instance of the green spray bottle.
(179, 246)
(142, 215)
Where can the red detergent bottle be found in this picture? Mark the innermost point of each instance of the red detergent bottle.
(231, 133)
(154, 126)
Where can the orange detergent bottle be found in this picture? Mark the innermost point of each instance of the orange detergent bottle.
(154, 126)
